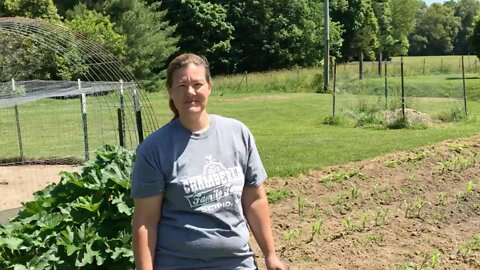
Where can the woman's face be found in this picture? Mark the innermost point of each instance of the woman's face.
(190, 89)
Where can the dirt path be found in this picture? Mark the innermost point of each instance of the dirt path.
(18, 183)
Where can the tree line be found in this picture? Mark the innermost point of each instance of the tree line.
(246, 35)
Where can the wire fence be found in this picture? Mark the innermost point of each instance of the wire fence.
(400, 84)
(64, 121)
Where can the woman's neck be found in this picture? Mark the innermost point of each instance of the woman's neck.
(196, 123)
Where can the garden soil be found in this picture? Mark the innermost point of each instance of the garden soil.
(417, 209)
(406, 210)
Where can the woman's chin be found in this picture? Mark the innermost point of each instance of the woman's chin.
(193, 109)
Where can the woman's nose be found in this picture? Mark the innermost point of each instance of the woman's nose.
(191, 90)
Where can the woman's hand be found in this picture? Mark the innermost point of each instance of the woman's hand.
(274, 263)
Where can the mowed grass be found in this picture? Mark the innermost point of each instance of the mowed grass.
(292, 139)
(281, 109)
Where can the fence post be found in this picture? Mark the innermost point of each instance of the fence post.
(380, 56)
(17, 121)
(138, 114)
(386, 86)
(403, 88)
(246, 81)
(83, 105)
(424, 66)
(360, 66)
(334, 85)
(464, 87)
(121, 117)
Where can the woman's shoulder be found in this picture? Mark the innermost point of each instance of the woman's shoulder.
(160, 136)
(228, 122)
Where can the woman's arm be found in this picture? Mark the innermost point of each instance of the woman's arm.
(255, 206)
(144, 230)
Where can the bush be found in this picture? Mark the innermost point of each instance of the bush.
(83, 222)
(333, 120)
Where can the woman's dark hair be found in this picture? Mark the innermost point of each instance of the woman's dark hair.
(179, 62)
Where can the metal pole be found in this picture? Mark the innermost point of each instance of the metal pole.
(464, 86)
(83, 104)
(138, 114)
(403, 88)
(424, 66)
(360, 66)
(326, 38)
(121, 117)
(334, 85)
(386, 86)
(380, 56)
(17, 121)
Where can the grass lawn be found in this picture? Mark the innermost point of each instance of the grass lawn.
(292, 140)
(287, 126)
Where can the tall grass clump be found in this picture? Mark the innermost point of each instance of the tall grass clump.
(307, 80)
(455, 114)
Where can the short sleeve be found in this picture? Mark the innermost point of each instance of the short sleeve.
(255, 172)
(147, 178)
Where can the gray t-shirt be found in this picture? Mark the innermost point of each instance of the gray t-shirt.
(201, 177)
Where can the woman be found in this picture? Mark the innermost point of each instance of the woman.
(196, 182)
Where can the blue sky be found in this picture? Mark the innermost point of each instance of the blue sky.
(434, 1)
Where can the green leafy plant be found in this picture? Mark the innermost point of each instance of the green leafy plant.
(316, 230)
(442, 198)
(301, 204)
(348, 225)
(354, 192)
(276, 196)
(83, 222)
(291, 234)
(470, 186)
(414, 209)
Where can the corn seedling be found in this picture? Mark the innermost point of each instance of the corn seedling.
(419, 204)
(470, 247)
(380, 217)
(301, 205)
(443, 166)
(460, 197)
(354, 192)
(431, 260)
(470, 186)
(363, 221)
(316, 229)
(442, 198)
(291, 234)
(348, 225)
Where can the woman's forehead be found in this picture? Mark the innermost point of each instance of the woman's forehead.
(190, 72)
